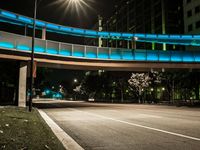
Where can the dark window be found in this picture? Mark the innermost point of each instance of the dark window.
(190, 28)
(197, 9)
(189, 13)
(189, 1)
(197, 24)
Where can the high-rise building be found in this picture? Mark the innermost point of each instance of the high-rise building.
(146, 16)
(192, 18)
(93, 41)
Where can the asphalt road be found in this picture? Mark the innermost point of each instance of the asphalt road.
(127, 126)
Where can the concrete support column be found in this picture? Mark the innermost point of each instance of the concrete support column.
(22, 84)
(43, 33)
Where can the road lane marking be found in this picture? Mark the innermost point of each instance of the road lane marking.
(64, 138)
(147, 116)
(141, 126)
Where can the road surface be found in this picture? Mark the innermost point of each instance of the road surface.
(127, 126)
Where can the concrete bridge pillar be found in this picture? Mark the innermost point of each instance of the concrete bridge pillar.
(22, 84)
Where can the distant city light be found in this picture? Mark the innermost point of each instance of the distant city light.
(75, 80)
(135, 38)
(47, 92)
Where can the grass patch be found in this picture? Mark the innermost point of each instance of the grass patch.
(20, 129)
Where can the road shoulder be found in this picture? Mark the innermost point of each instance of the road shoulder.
(64, 138)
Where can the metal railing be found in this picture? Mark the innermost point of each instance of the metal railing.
(47, 47)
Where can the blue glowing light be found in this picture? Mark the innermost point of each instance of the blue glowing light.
(52, 26)
(91, 55)
(197, 57)
(186, 37)
(128, 35)
(196, 36)
(140, 55)
(66, 29)
(139, 35)
(6, 45)
(39, 49)
(152, 55)
(104, 34)
(57, 95)
(116, 56)
(103, 55)
(164, 56)
(40, 23)
(78, 54)
(52, 51)
(47, 92)
(65, 52)
(127, 55)
(115, 34)
(164, 36)
(76, 30)
(188, 57)
(90, 32)
(176, 57)
(151, 36)
(8, 14)
(23, 47)
(25, 19)
(175, 36)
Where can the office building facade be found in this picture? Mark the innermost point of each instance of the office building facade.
(145, 16)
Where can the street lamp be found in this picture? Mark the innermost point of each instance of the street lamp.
(75, 80)
(70, 3)
(32, 57)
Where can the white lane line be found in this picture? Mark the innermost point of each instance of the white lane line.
(64, 138)
(142, 126)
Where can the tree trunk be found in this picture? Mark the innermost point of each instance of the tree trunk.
(197, 92)
(122, 96)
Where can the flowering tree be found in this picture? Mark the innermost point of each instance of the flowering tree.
(140, 81)
(78, 89)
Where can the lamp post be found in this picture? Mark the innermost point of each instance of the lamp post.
(74, 3)
(32, 58)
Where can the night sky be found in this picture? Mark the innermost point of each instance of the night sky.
(55, 13)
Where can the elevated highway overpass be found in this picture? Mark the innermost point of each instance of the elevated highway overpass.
(73, 56)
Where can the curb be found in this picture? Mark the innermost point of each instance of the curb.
(64, 138)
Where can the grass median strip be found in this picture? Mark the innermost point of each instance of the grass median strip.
(20, 129)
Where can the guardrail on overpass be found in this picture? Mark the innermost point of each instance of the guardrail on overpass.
(46, 47)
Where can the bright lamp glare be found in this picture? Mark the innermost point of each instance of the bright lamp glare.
(79, 6)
